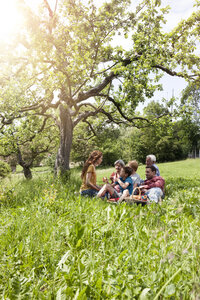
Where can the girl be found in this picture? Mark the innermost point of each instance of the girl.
(88, 175)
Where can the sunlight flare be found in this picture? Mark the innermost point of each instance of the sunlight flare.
(10, 19)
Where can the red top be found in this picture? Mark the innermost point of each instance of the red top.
(156, 181)
(113, 178)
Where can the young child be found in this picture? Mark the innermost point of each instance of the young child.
(125, 183)
(133, 164)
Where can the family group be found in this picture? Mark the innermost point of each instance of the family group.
(123, 181)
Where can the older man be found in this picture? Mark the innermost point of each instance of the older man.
(153, 186)
(150, 161)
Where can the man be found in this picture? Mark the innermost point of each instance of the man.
(153, 186)
(150, 161)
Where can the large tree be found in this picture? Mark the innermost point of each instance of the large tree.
(66, 65)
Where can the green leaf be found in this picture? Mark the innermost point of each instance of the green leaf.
(145, 294)
(170, 290)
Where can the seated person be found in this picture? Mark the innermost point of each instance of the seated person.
(153, 186)
(150, 161)
(125, 182)
(113, 177)
(88, 175)
(133, 164)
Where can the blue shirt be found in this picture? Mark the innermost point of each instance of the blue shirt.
(129, 187)
(157, 170)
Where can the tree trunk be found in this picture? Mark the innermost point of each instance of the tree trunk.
(27, 172)
(26, 167)
(66, 134)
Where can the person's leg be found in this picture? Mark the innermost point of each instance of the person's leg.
(154, 194)
(89, 193)
(124, 195)
(106, 188)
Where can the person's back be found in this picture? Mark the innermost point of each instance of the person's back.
(135, 177)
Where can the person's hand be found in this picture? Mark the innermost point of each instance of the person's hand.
(105, 179)
(143, 187)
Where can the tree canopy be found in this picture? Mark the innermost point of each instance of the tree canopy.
(65, 66)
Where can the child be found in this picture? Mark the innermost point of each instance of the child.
(125, 183)
(133, 164)
(88, 175)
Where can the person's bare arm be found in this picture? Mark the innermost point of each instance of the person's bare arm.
(88, 182)
(124, 185)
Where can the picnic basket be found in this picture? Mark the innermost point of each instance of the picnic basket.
(136, 198)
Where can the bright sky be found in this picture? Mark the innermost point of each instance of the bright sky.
(9, 19)
(10, 22)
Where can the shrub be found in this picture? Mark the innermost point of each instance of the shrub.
(5, 169)
(50, 160)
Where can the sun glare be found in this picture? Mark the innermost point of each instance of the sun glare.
(10, 20)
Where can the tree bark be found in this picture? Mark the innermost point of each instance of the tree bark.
(66, 135)
(26, 167)
(27, 172)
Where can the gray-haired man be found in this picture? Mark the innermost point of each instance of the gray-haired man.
(150, 161)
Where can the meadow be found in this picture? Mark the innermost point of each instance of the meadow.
(56, 245)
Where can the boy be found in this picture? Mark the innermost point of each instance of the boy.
(125, 183)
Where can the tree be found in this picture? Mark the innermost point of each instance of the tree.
(167, 135)
(28, 141)
(4, 169)
(67, 67)
(189, 110)
(96, 133)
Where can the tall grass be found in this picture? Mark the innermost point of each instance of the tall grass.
(56, 245)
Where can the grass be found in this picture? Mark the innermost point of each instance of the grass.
(186, 168)
(56, 245)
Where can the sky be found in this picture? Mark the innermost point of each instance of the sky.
(10, 22)
(180, 9)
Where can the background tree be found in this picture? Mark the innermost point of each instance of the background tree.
(190, 111)
(4, 169)
(96, 133)
(166, 136)
(28, 141)
(66, 59)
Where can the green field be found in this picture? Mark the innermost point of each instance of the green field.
(56, 245)
(187, 168)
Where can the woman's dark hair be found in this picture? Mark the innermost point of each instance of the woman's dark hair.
(93, 157)
(128, 170)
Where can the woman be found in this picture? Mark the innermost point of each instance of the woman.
(88, 175)
(119, 164)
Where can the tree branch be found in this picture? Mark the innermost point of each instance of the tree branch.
(97, 89)
(118, 106)
(91, 128)
(168, 71)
